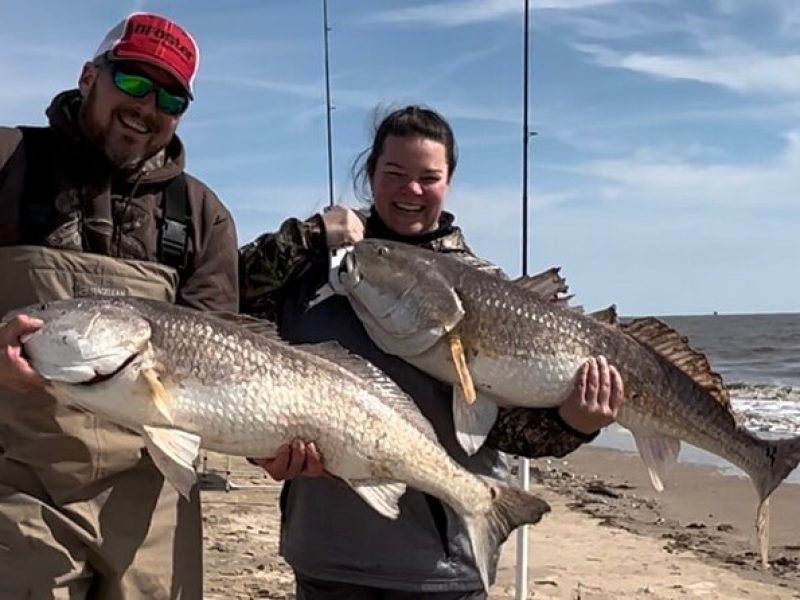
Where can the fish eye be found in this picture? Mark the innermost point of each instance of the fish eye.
(383, 251)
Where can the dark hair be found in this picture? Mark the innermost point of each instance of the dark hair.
(409, 121)
(101, 61)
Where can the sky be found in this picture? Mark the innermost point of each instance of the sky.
(664, 170)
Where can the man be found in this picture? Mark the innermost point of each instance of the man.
(98, 203)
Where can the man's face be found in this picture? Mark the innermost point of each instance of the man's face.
(127, 130)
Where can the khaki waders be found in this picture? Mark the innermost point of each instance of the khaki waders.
(83, 511)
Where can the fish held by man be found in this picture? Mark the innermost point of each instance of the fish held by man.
(516, 345)
(186, 379)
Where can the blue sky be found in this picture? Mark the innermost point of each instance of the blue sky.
(663, 175)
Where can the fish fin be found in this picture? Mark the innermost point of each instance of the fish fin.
(762, 530)
(252, 324)
(161, 397)
(511, 507)
(174, 451)
(784, 456)
(659, 453)
(674, 347)
(607, 315)
(322, 294)
(462, 370)
(392, 395)
(547, 285)
(381, 495)
(472, 422)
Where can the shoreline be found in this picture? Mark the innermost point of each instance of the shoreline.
(610, 535)
(703, 510)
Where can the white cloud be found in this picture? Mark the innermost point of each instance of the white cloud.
(468, 12)
(747, 71)
(646, 177)
(369, 99)
(621, 25)
(788, 17)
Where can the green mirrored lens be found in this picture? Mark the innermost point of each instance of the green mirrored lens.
(133, 85)
(172, 104)
(139, 86)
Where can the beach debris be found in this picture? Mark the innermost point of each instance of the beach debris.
(601, 489)
(523, 348)
(186, 379)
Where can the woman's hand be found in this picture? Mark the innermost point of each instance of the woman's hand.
(295, 460)
(343, 227)
(596, 398)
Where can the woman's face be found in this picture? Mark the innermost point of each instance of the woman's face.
(410, 183)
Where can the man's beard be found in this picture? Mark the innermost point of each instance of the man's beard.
(123, 157)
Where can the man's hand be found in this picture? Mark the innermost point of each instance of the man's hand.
(299, 459)
(596, 398)
(15, 372)
(342, 227)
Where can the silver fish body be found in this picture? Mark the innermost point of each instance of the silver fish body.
(186, 379)
(523, 350)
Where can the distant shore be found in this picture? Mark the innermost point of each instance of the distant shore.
(609, 535)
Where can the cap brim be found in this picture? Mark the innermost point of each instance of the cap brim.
(145, 58)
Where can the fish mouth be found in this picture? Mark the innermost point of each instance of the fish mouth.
(348, 271)
(101, 377)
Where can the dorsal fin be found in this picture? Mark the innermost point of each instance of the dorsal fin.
(547, 285)
(675, 348)
(391, 394)
(607, 315)
(254, 324)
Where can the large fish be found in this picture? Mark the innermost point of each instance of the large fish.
(186, 379)
(500, 342)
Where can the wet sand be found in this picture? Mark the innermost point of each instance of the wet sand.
(609, 535)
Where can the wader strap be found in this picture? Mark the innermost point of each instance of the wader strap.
(38, 192)
(175, 240)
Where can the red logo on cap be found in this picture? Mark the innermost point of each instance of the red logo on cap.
(161, 42)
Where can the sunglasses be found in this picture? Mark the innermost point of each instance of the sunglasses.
(139, 86)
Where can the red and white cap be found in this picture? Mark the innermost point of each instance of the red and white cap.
(156, 40)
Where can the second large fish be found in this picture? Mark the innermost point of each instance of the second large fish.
(499, 343)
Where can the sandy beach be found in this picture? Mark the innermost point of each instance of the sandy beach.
(609, 535)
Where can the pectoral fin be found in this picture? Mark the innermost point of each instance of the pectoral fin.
(472, 421)
(380, 495)
(460, 362)
(659, 453)
(173, 452)
(161, 397)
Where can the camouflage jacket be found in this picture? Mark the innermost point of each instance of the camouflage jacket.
(268, 265)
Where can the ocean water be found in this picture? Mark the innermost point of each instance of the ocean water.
(758, 357)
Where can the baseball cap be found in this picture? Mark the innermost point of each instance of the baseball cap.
(156, 40)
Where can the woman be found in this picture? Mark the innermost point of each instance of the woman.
(337, 545)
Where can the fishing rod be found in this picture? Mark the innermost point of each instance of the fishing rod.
(526, 137)
(325, 30)
(524, 464)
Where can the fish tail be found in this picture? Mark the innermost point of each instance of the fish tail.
(784, 455)
(511, 507)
